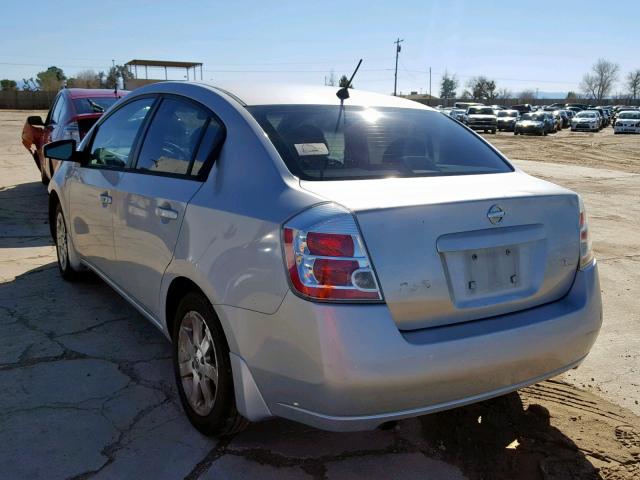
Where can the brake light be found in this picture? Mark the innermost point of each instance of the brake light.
(71, 132)
(586, 252)
(326, 258)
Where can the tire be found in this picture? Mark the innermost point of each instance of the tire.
(62, 246)
(493, 131)
(43, 175)
(515, 132)
(211, 366)
(543, 132)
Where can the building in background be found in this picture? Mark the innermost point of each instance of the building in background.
(159, 70)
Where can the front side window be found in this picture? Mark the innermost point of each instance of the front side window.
(115, 137)
(173, 138)
(319, 142)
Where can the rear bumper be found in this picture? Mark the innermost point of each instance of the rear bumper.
(348, 367)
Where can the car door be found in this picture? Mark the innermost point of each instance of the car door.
(92, 185)
(153, 194)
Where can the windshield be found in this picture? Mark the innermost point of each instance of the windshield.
(93, 104)
(634, 115)
(508, 113)
(480, 111)
(533, 116)
(586, 115)
(318, 144)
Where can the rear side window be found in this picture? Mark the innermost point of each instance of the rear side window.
(173, 138)
(114, 139)
(319, 142)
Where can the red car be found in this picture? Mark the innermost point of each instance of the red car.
(73, 113)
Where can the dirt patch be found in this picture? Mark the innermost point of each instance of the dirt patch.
(598, 150)
(551, 430)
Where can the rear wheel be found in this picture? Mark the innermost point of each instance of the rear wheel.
(203, 369)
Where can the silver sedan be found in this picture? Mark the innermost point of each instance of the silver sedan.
(341, 263)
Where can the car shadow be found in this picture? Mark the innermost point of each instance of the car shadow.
(502, 438)
(24, 218)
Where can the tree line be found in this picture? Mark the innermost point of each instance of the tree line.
(53, 79)
(597, 84)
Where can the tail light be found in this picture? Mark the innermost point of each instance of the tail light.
(326, 258)
(71, 132)
(586, 253)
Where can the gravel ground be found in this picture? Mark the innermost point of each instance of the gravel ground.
(86, 389)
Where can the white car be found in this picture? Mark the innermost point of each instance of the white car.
(589, 121)
(627, 122)
(334, 257)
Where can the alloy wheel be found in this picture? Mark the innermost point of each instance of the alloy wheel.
(61, 241)
(197, 363)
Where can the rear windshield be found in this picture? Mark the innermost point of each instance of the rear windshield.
(586, 115)
(635, 115)
(93, 104)
(319, 142)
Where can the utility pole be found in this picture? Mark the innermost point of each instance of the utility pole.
(430, 84)
(395, 81)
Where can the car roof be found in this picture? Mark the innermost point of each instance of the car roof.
(94, 92)
(252, 94)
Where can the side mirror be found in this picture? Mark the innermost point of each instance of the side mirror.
(35, 121)
(64, 150)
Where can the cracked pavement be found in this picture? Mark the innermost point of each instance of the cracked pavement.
(87, 390)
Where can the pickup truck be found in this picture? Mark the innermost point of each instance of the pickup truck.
(481, 118)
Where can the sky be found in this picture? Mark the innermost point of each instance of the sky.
(544, 45)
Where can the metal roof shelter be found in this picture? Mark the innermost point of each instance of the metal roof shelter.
(133, 65)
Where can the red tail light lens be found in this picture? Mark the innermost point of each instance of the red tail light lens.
(326, 258)
(330, 245)
(334, 272)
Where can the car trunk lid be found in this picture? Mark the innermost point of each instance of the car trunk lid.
(458, 248)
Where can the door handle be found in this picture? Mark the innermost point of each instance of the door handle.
(105, 199)
(166, 212)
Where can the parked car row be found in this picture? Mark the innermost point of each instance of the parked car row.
(541, 120)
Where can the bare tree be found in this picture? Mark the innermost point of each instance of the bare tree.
(85, 79)
(599, 82)
(481, 88)
(504, 93)
(332, 79)
(527, 96)
(633, 84)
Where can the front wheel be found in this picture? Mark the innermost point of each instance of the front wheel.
(62, 246)
(43, 174)
(203, 369)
